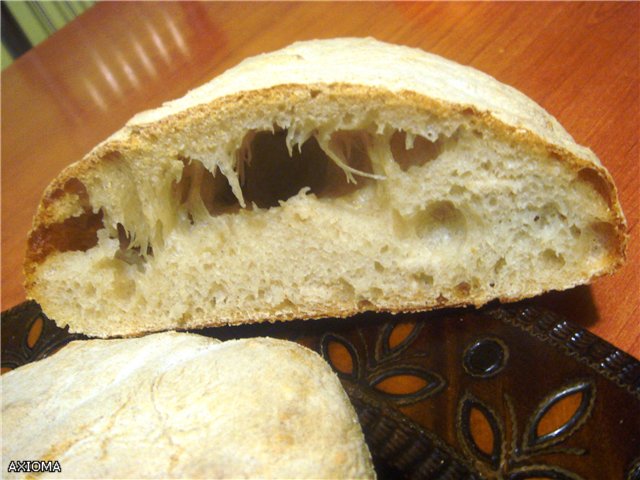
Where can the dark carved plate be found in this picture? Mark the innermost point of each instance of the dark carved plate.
(507, 392)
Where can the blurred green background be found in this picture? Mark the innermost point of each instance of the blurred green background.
(27, 23)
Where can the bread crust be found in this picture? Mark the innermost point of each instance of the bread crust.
(178, 405)
(297, 73)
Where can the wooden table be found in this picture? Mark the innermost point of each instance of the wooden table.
(579, 61)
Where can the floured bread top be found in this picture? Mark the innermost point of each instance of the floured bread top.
(176, 405)
(327, 178)
(365, 61)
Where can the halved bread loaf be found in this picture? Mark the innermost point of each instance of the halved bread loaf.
(178, 405)
(324, 179)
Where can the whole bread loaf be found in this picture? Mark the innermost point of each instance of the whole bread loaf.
(324, 179)
(178, 405)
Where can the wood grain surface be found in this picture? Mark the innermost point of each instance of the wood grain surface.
(580, 61)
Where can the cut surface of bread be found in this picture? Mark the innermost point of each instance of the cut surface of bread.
(324, 179)
(178, 405)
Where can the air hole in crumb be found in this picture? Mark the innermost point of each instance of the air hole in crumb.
(184, 319)
(73, 234)
(423, 278)
(348, 290)
(423, 150)
(552, 258)
(462, 289)
(375, 292)
(202, 192)
(457, 190)
(499, 265)
(72, 186)
(365, 304)
(128, 254)
(575, 231)
(378, 267)
(286, 304)
(548, 214)
(597, 181)
(441, 224)
(272, 176)
(603, 238)
(352, 146)
(441, 299)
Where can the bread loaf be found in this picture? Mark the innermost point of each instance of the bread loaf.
(178, 405)
(327, 178)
